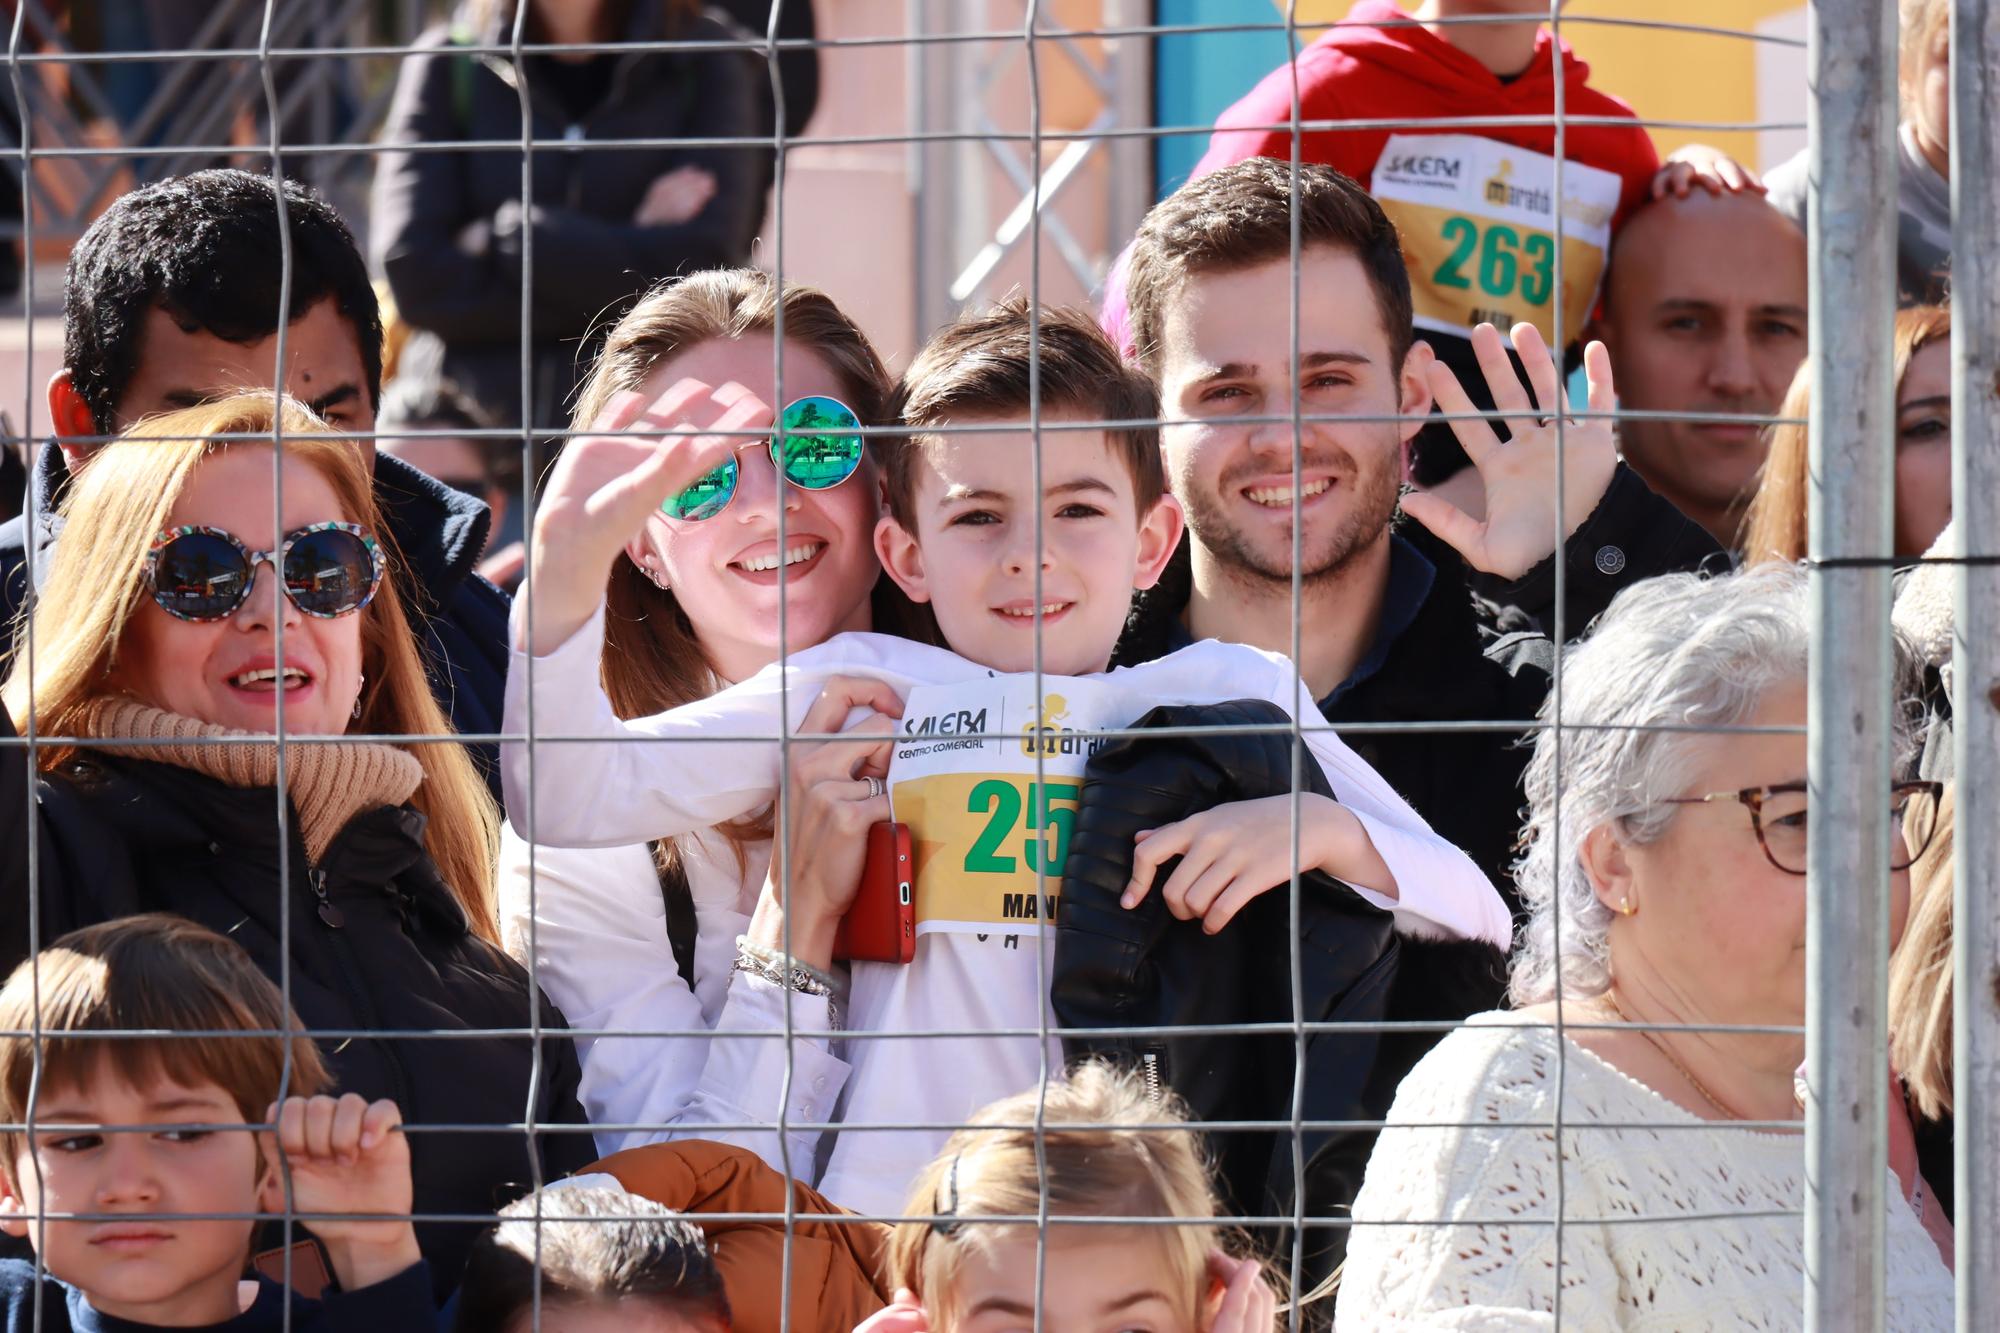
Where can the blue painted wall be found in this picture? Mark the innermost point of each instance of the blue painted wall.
(1197, 76)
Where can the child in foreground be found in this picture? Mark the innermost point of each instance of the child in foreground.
(111, 1214)
(961, 534)
(611, 1262)
(955, 1273)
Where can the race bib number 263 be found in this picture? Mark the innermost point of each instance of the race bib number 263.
(1477, 219)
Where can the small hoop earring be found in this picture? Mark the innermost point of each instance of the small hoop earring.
(1625, 907)
(649, 567)
(357, 695)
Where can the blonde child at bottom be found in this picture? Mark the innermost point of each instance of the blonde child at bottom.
(959, 1272)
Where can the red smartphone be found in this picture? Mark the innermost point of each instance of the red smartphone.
(881, 925)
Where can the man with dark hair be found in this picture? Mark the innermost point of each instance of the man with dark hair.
(1389, 628)
(172, 298)
(181, 281)
(1290, 387)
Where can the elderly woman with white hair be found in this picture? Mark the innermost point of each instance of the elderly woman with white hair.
(1665, 878)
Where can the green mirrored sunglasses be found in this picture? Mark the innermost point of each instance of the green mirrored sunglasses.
(817, 446)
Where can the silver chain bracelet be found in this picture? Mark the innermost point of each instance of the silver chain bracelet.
(788, 973)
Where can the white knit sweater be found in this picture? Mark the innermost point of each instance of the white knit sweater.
(1493, 1265)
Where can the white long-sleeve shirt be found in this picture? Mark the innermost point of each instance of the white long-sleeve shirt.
(717, 759)
(599, 948)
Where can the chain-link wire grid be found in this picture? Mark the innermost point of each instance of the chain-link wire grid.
(1851, 120)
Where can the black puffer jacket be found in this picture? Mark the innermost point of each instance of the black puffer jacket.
(117, 835)
(1143, 968)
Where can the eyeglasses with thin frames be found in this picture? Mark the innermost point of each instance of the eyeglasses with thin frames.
(1778, 817)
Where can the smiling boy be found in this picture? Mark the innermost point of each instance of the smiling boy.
(1028, 543)
(961, 533)
(147, 1221)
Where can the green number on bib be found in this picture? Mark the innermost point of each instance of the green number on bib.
(1058, 819)
(1500, 249)
(1003, 801)
(1464, 237)
(1496, 260)
(1536, 284)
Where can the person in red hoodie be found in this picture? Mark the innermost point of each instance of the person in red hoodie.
(1474, 202)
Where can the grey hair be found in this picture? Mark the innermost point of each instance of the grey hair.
(1678, 651)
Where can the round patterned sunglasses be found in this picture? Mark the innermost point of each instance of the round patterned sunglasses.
(817, 446)
(205, 574)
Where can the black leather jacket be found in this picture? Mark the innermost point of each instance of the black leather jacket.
(1476, 651)
(1143, 968)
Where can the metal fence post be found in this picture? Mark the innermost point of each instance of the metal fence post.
(1131, 64)
(1851, 214)
(1975, 480)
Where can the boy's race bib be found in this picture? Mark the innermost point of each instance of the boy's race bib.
(1478, 227)
(989, 829)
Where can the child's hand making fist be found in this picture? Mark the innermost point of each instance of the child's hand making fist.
(345, 1156)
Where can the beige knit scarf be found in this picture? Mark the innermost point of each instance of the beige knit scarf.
(329, 783)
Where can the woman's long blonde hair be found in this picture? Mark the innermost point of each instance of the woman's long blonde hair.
(97, 583)
(1774, 526)
(1921, 24)
(1920, 975)
(1099, 1163)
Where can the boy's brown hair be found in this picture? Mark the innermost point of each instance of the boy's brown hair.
(149, 973)
(1240, 217)
(977, 367)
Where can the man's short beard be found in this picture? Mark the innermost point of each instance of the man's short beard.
(1359, 529)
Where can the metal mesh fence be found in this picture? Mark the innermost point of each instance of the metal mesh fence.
(290, 89)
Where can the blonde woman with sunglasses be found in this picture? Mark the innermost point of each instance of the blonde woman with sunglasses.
(364, 882)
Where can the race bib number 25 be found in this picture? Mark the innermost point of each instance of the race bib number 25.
(989, 778)
(1477, 219)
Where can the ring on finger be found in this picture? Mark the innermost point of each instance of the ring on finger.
(875, 786)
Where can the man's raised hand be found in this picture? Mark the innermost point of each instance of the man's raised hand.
(1519, 529)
